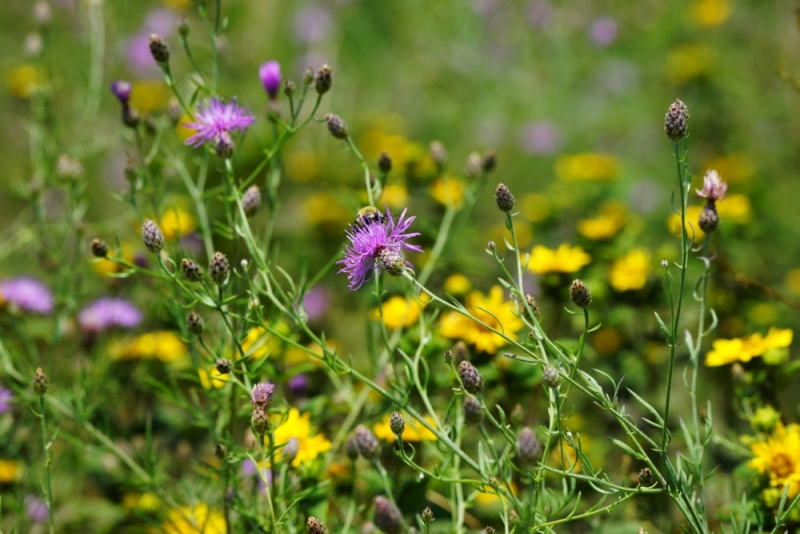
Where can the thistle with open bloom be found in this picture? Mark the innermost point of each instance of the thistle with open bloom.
(714, 187)
(106, 313)
(262, 393)
(215, 122)
(26, 294)
(376, 244)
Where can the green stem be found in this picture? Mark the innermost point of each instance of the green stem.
(46, 450)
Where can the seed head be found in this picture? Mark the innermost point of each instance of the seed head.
(397, 424)
(385, 162)
(195, 323)
(473, 413)
(159, 48)
(336, 126)
(39, 382)
(315, 526)
(470, 377)
(645, 477)
(551, 377)
(676, 121)
(223, 366)
(392, 262)
(324, 80)
(290, 450)
(489, 161)
(351, 447)
(251, 200)
(528, 446)
(580, 294)
(218, 268)
(438, 154)
(99, 248)
(504, 198)
(387, 517)
(152, 236)
(368, 444)
(709, 218)
(427, 515)
(191, 270)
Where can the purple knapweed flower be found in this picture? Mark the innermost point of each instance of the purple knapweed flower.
(106, 313)
(298, 384)
(215, 121)
(262, 393)
(270, 74)
(372, 240)
(714, 187)
(27, 294)
(5, 399)
(36, 509)
(603, 31)
(122, 90)
(540, 138)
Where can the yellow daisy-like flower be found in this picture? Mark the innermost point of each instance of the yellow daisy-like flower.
(630, 271)
(145, 502)
(299, 427)
(25, 80)
(177, 222)
(397, 311)
(448, 191)
(499, 315)
(710, 13)
(149, 95)
(10, 471)
(779, 456)
(534, 207)
(161, 345)
(689, 62)
(457, 284)
(260, 343)
(196, 519)
(394, 196)
(564, 259)
(211, 377)
(606, 225)
(413, 431)
(587, 166)
(725, 351)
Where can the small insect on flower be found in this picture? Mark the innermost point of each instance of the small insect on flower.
(369, 214)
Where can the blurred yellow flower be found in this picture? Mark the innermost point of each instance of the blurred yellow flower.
(145, 502)
(9, 471)
(793, 281)
(457, 285)
(779, 456)
(735, 167)
(149, 95)
(448, 191)
(689, 62)
(534, 207)
(394, 196)
(301, 166)
(413, 431)
(196, 519)
(211, 377)
(606, 341)
(765, 418)
(161, 345)
(710, 12)
(325, 209)
(605, 225)
(177, 222)
(181, 131)
(499, 315)
(490, 497)
(587, 166)
(734, 209)
(299, 427)
(25, 80)
(725, 351)
(104, 267)
(630, 271)
(260, 343)
(397, 312)
(564, 259)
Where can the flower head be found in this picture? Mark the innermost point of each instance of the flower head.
(714, 188)
(198, 518)
(36, 509)
(309, 444)
(121, 90)
(107, 312)
(493, 310)
(216, 120)
(630, 271)
(270, 74)
(369, 239)
(779, 456)
(564, 259)
(725, 351)
(262, 393)
(27, 294)
(5, 399)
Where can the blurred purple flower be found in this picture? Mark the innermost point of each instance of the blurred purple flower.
(122, 90)
(193, 244)
(27, 294)
(218, 119)
(316, 303)
(5, 399)
(106, 312)
(270, 74)
(298, 384)
(603, 31)
(540, 14)
(249, 469)
(36, 509)
(312, 24)
(138, 56)
(540, 138)
(162, 21)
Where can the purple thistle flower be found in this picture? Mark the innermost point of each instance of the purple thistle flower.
(106, 313)
(217, 120)
(5, 399)
(27, 294)
(122, 90)
(36, 509)
(603, 31)
(370, 238)
(298, 384)
(262, 393)
(714, 187)
(270, 74)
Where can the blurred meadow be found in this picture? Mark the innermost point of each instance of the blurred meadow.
(144, 433)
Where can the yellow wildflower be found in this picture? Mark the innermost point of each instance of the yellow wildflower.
(394, 196)
(146, 502)
(448, 191)
(26, 80)
(177, 222)
(325, 209)
(162, 345)
(260, 343)
(490, 497)
(457, 284)
(397, 312)
(499, 315)
(564, 259)
(299, 427)
(689, 62)
(765, 418)
(196, 519)
(104, 267)
(413, 431)
(587, 166)
(710, 12)
(725, 351)
(149, 95)
(181, 131)
(534, 207)
(606, 225)
(779, 456)
(301, 166)
(9, 471)
(211, 377)
(630, 271)
(607, 341)
(735, 167)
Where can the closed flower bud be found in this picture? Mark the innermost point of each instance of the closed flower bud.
(474, 166)
(709, 219)
(251, 200)
(218, 268)
(448, 356)
(351, 447)
(122, 90)
(438, 154)
(315, 526)
(473, 413)
(551, 377)
(676, 120)
(470, 377)
(183, 27)
(152, 236)
(491, 247)
(323, 80)
(504, 198)
(191, 270)
(460, 352)
(308, 76)
(397, 424)
(270, 74)
(195, 323)
(489, 161)
(528, 446)
(517, 415)
(290, 450)
(580, 294)
(224, 145)
(223, 366)
(533, 305)
(159, 48)
(99, 248)
(427, 515)
(645, 477)
(392, 262)
(130, 117)
(664, 264)
(288, 87)
(368, 444)
(219, 451)
(489, 530)
(387, 517)
(336, 126)
(39, 382)
(260, 418)
(385, 162)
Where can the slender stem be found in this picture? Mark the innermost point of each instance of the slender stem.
(46, 451)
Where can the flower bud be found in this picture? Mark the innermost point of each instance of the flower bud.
(397, 424)
(387, 517)
(251, 200)
(676, 120)
(504, 198)
(270, 74)
(122, 90)
(473, 413)
(260, 419)
(528, 446)
(315, 526)
(664, 264)
(384, 162)
(288, 87)
(218, 268)
(474, 166)
(195, 323)
(308, 76)
(580, 294)
(427, 515)
(392, 262)
(351, 448)
(99, 248)
(224, 145)
(223, 366)
(645, 477)
(491, 247)
(489, 161)
(324, 80)
(183, 27)
(368, 444)
(39, 382)
(551, 377)
(290, 450)
(152, 236)
(470, 377)
(159, 48)
(460, 352)
(130, 117)
(438, 154)
(219, 451)
(533, 305)
(709, 219)
(191, 270)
